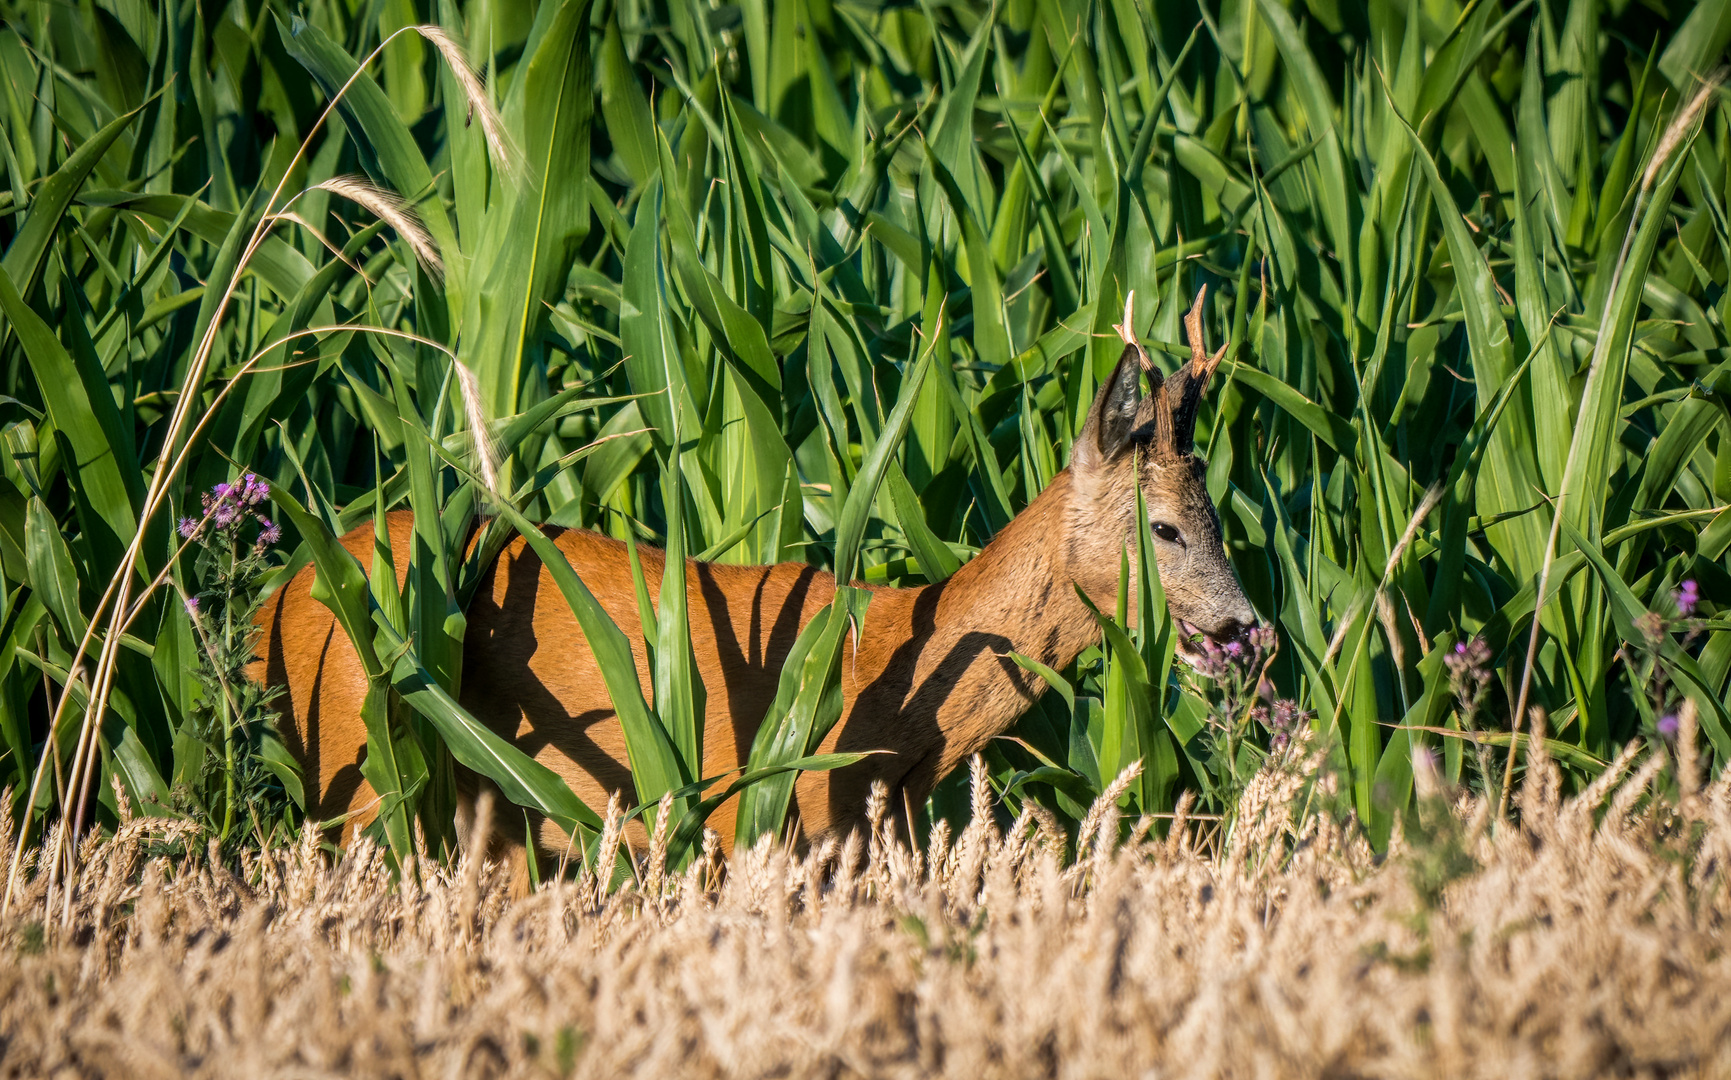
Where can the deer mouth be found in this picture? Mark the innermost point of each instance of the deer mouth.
(1201, 649)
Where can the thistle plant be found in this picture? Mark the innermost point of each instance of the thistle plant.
(1664, 636)
(1469, 673)
(232, 718)
(1243, 700)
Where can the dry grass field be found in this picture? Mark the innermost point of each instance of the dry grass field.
(1588, 939)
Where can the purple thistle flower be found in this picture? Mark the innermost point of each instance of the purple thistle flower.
(1287, 715)
(1667, 726)
(1687, 598)
(1469, 660)
(192, 606)
(1234, 649)
(188, 528)
(270, 532)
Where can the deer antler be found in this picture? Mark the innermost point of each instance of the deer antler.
(1190, 382)
(1201, 364)
(1127, 331)
(1158, 406)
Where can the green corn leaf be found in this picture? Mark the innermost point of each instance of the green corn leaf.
(808, 702)
(1592, 453)
(1509, 464)
(1627, 610)
(283, 268)
(102, 464)
(686, 833)
(24, 257)
(1697, 45)
(850, 530)
(522, 779)
(656, 766)
(1157, 641)
(394, 765)
(1330, 428)
(53, 575)
(549, 218)
(937, 561)
(1057, 682)
(679, 692)
(388, 150)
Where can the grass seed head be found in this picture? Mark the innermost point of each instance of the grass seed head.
(507, 158)
(391, 209)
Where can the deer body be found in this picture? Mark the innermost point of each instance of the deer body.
(927, 678)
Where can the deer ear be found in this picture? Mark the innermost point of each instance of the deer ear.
(1120, 400)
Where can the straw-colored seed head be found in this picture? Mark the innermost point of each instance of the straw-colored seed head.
(486, 452)
(1681, 125)
(506, 157)
(391, 209)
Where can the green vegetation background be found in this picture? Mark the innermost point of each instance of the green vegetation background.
(705, 252)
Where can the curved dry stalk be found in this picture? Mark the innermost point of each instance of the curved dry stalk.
(73, 674)
(102, 681)
(324, 242)
(78, 781)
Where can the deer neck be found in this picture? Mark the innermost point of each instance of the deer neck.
(1017, 595)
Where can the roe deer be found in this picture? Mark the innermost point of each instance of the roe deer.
(928, 678)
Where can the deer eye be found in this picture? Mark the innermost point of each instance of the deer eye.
(1167, 532)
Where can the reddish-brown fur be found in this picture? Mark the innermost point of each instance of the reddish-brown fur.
(928, 678)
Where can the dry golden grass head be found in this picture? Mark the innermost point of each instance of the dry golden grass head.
(507, 159)
(1680, 127)
(1586, 939)
(486, 447)
(390, 208)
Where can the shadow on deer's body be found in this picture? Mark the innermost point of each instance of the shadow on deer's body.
(928, 677)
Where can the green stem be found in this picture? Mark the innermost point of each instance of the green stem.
(227, 713)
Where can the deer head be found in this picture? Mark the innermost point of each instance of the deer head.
(1132, 439)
